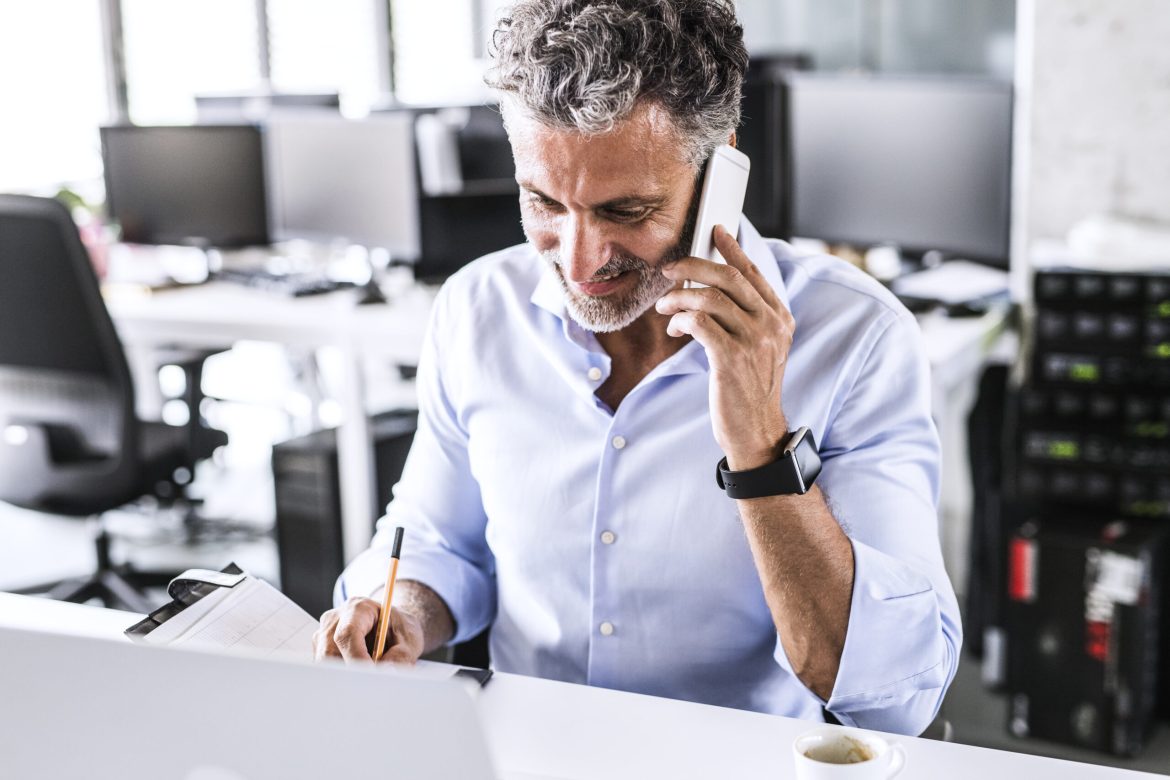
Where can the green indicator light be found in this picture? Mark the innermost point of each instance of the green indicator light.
(1149, 508)
(1083, 372)
(1164, 309)
(1162, 350)
(1063, 450)
(1152, 430)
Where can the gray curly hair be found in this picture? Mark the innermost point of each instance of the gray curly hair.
(583, 65)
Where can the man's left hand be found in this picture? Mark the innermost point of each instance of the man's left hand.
(747, 333)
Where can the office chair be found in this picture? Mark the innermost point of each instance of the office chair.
(70, 442)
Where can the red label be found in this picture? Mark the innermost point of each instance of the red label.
(1097, 640)
(1022, 570)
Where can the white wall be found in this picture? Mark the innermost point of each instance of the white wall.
(1097, 131)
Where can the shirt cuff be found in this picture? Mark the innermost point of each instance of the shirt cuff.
(468, 593)
(896, 649)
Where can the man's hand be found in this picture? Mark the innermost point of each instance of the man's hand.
(747, 333)
(350, 631)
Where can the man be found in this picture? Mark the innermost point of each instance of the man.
(575, 398)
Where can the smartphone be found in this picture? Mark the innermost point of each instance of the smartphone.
(720, 200)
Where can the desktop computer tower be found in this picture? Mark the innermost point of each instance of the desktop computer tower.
(1085, 616)
(1089, 433)
(1094, 415)
(308, 504)
(983, 623)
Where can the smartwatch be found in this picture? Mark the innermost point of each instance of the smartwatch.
(792, 474)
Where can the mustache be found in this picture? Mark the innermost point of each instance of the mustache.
(616, 265)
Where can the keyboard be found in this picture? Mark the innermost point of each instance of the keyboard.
(295, 285)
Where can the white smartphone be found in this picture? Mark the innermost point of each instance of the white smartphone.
(720, 200)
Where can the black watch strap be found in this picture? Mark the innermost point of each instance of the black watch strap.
(792, 474)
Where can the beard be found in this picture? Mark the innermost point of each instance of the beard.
(608, 313)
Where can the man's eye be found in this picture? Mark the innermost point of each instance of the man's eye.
(626, 215)
(542, 202)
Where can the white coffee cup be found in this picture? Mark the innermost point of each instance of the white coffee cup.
(838, 753)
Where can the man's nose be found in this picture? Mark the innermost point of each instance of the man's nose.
(582, 248)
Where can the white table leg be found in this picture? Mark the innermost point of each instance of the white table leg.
(148, 398)
(952, 405)
(355, 459)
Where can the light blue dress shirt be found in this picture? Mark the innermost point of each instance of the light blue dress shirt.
(596, 543)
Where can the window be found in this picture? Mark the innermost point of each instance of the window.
(437, 59)
(328, 47)
(177, 49)
(53, 91)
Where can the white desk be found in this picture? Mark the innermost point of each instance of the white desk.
(216, 314)
(574, 731)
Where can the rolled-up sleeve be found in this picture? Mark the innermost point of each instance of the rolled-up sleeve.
(437, 502)
(880, 475)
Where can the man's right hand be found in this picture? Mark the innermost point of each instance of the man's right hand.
(349, 633)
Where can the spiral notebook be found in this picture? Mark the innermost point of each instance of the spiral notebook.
(230, 610)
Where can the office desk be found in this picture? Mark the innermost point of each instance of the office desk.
(575, 731)
(217, 314)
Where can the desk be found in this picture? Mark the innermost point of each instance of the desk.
(575, 731)
(215, 314)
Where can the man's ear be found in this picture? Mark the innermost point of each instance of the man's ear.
(733, 140)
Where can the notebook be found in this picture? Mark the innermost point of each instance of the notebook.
(230, 610)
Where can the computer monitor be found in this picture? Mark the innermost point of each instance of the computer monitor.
(201, 185)
(481, 212)
(762, 136)
(235, 107)
(923, 163)
(333, 178)
(458, 228)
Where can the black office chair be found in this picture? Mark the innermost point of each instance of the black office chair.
(70, 442)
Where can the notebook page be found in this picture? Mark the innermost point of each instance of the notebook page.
(253, 616)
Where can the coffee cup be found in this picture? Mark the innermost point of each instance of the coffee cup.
(837, 753)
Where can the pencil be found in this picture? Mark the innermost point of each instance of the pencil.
(384, 617)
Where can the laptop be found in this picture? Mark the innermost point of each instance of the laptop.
(73, 707)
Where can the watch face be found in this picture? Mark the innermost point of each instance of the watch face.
(808, 460)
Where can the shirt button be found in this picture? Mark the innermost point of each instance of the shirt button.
(606, 628)
(608, 537)
(594, 373)
(619, 442)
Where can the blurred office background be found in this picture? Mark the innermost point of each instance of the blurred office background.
(1004, 165)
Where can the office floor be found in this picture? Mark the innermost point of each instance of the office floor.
(35, 548)
(979, 717)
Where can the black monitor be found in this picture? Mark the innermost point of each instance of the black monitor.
(334, 178)
(484, 215)
(920, 162)
(481, 214)
(200, 185)
(762, 136)
(459, 228)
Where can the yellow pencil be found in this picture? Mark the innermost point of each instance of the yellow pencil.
(384, 618)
